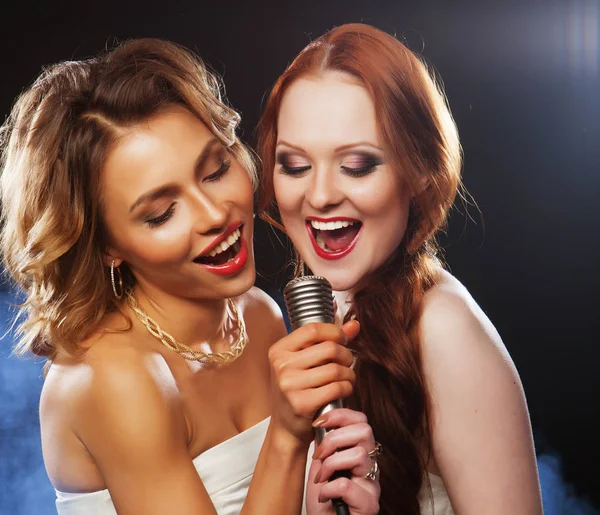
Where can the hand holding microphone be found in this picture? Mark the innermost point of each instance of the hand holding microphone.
(310, 369)
(311, 373)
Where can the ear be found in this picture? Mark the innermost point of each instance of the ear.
(110, 256)
(422, 185)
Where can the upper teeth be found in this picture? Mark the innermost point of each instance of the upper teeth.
(226, 243)
(330, 226)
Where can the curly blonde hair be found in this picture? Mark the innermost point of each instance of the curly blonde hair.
(53, 147)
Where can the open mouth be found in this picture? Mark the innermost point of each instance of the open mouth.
(224, 252)
(334, 237)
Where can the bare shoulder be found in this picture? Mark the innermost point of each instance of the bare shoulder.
(481, 434)
(452, 322)
(114, 379)
(122, 404)
(260, 309)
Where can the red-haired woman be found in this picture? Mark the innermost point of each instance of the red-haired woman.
(362, 162)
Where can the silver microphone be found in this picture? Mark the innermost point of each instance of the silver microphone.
(310, 299)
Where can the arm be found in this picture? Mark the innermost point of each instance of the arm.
(281, 464)
(291, 359)
(309, 368)
(482, 441)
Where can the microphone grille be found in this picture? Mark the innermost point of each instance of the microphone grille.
(309, 299)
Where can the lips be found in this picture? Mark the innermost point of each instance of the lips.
(227, 254)
(342, 233)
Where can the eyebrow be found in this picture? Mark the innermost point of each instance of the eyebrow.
(337, 149)
(168, 189)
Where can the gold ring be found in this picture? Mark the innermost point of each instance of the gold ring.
(373, 473)
(376, 451)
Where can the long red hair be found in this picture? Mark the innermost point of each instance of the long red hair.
(420, 138)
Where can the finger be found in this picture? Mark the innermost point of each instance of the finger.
(308, 402)
(355, 435)
(361, 496)
(319, 354)
(311, 378)
(310, 334)
(356, 460)
(341, 417)
(313, 470)
(351, 329)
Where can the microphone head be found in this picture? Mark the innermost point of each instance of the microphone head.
(309, 299)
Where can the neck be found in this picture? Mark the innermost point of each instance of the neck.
(202, 324)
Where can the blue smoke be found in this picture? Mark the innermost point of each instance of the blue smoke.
(559, 497)
(26, 490)
(24, 486)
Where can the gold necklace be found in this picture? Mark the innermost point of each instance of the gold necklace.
(208, 358)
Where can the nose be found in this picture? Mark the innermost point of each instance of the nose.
(210, 214)
(324, 191)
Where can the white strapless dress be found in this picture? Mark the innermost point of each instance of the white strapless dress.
(226, 471)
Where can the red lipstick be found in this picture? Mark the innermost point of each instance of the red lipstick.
(221, 238)
(231, 267)
(335, 254)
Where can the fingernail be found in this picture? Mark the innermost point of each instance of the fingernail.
(317, 477)
(317, 453)
(320, 421)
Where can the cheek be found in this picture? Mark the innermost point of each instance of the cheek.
(240, 186)
(167, 244)
(386, 205)
(247, 196)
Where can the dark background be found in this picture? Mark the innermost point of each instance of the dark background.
(523, 81)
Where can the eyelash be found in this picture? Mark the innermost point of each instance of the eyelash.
(213, 177)
(294, 170)
(161, 219)
(352, 172)
(362, 171)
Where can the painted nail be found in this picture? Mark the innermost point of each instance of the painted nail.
(320, 421)
(317, 453)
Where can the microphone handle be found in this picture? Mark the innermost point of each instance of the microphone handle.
(341, 508)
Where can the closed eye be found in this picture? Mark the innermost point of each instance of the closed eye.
(215, 176)
(161, 219)
(294, 170)
(360, 172)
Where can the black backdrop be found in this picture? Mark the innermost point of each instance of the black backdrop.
(523, 80)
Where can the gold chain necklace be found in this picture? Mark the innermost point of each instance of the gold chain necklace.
(208, 358)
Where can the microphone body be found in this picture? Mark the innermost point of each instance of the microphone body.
(310, 299)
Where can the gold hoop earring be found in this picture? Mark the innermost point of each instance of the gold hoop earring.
(112, 280)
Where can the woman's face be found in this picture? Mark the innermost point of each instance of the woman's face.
(178, 208)
(342, 203)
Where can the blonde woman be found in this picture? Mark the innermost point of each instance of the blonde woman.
(172, 386)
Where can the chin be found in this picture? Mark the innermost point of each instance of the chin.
(243, 282)
(339, 281)
(342, 285)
